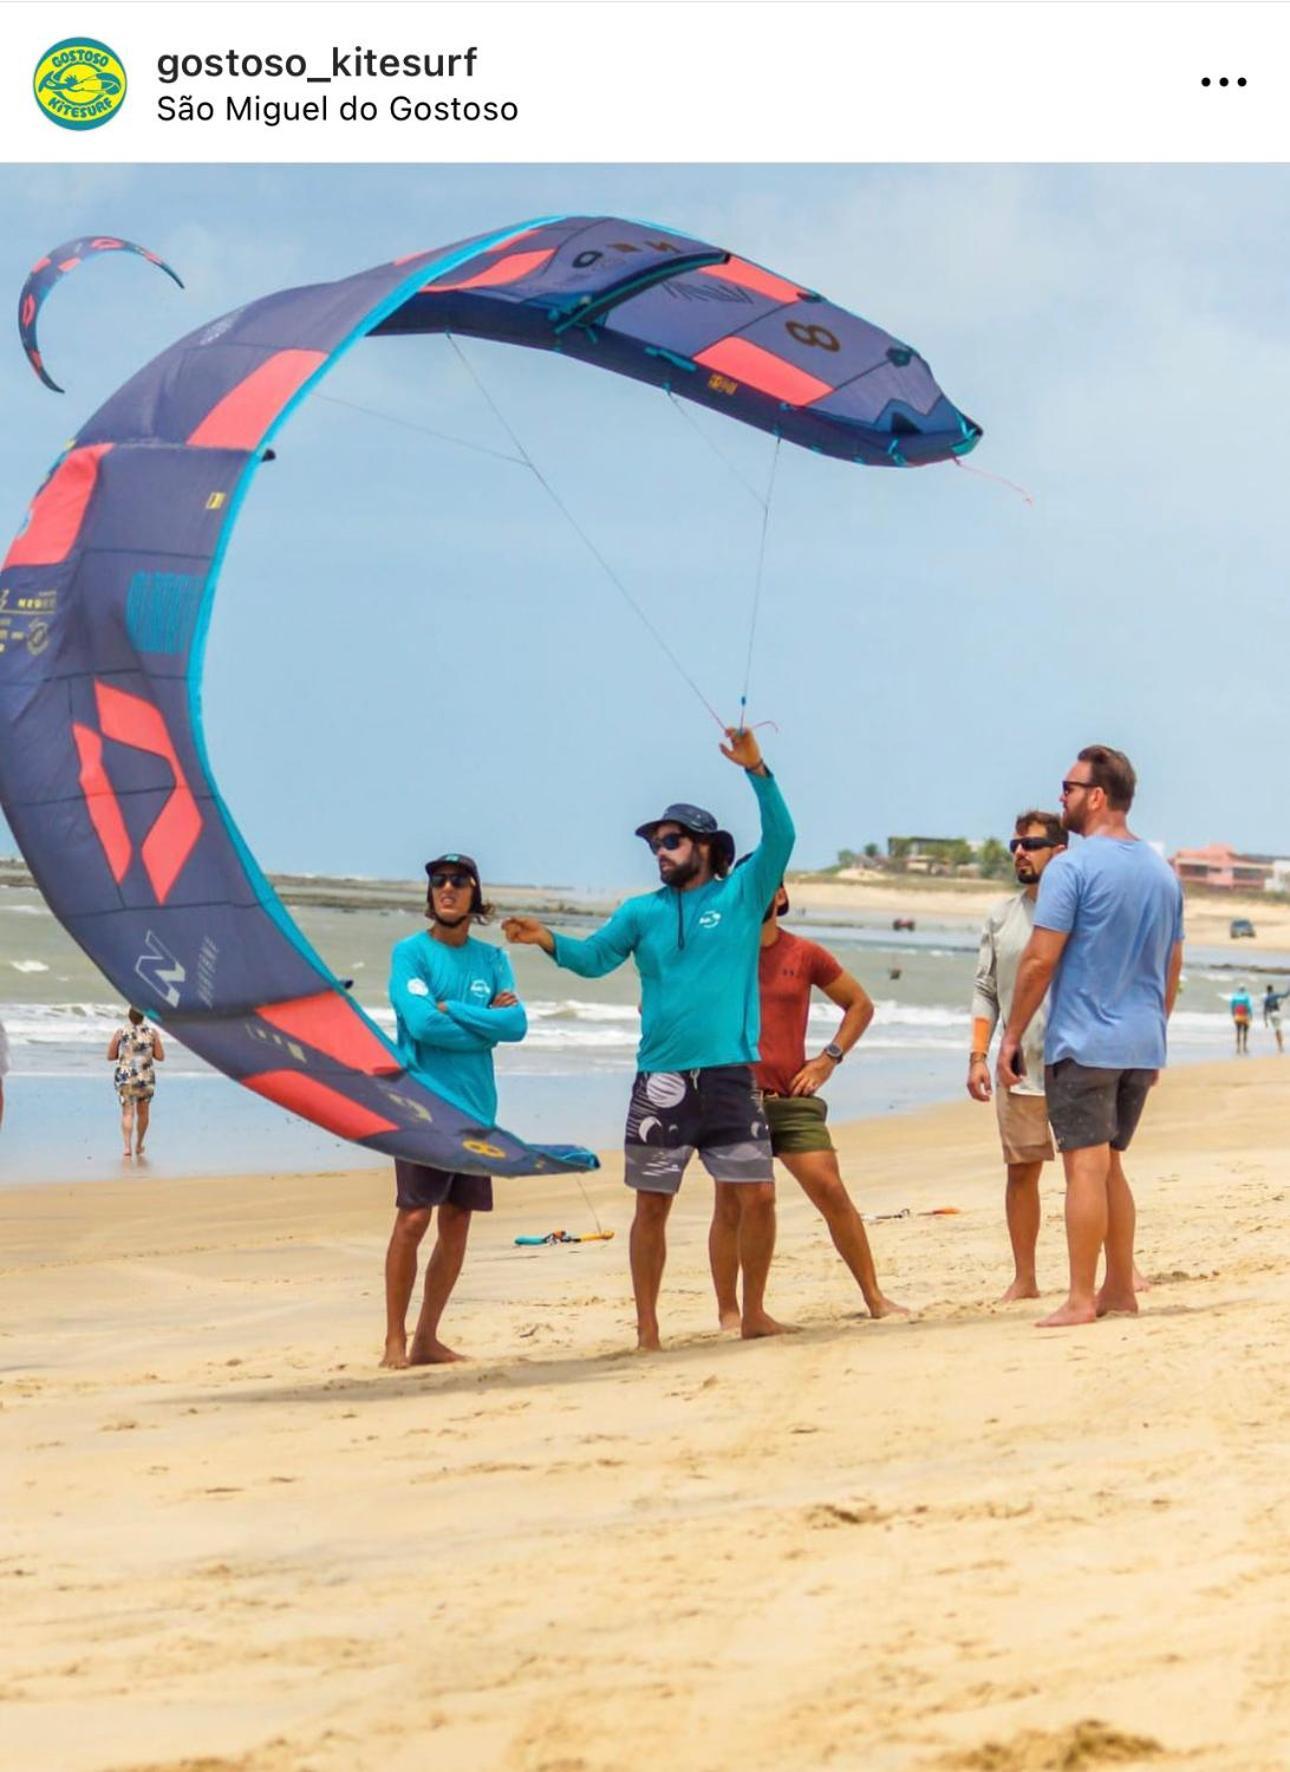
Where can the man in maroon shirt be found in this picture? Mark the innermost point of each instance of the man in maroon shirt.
(788, 968)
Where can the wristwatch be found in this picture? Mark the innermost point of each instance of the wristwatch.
(834, 1051)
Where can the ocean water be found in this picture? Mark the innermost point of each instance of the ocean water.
(567, 1081)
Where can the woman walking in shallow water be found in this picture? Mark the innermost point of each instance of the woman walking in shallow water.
(134, 1048)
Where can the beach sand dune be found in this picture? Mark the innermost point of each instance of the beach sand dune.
(232, 1544)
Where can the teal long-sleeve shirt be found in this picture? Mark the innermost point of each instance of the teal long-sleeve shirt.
(696, 953)
(451, 1049)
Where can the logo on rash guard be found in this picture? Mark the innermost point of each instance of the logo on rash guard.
(709, 919)
(479, 988)
(417, 987)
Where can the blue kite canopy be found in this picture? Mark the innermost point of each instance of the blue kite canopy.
(106, 594)
(51, 269)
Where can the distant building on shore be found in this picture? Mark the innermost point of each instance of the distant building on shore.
(1220, 866)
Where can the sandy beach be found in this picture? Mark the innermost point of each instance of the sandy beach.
(963, 903)
(233, 1544)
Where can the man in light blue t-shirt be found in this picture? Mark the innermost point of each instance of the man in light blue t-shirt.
(1108, 938)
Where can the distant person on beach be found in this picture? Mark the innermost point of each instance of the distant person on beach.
(4, 1067)
(694, 942)
(454, 1000)
(1108, 938)
(1021, 1109)
(134, 1049)
(1272, 1001)
(1241, 1005)
(796, 1114)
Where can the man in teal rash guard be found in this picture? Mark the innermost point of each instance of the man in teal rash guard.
(695, 943)
(454, 1000)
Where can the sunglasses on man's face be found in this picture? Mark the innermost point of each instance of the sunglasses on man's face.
(1069, 787)
(439, 881)
(673, 840)
(1029, 844)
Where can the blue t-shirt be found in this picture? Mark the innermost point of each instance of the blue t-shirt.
(451, 1049)
(696, 953)
(1122, 909)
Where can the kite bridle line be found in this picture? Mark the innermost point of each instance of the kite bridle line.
(757, 583)
(410, 424)
(578, 530)
(985, 474)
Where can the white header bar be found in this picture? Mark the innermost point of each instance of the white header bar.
(668, 80)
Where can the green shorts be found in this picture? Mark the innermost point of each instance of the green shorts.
(797, 1123)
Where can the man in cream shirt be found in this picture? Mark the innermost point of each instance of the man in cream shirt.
(1022, 1110)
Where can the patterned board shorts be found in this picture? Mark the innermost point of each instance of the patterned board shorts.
(716, 1112)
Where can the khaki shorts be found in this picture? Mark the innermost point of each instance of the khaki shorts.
(1023, 1127)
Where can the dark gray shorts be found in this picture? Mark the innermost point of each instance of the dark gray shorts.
(1088, 1106)
(417, 1186)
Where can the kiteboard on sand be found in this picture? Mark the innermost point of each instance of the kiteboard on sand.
(563, 1237)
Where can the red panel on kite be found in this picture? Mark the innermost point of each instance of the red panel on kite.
(104, 808)
(330, 1024)
(738, 270)
(241, 418)
(506, 270)
(324, 1106)
(132, 721)
(58, 510)
(746, 362)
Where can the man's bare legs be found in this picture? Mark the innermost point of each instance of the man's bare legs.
(1121, 1280)
(820, 1179)
(756, 1246)
(410, 1226)
(127, 1126)
(1087, 1173)
(648, 1250)
(723, 1253)
(142, 1110)
(442, 1271)
(1021, 1206)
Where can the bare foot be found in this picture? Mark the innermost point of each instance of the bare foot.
(1020, 1289)
(1140, 1281)
(126, 1154)
(395, 1355)
(1116, 1304)
(730, 1320)
(883, 1306)
(1070, 1316)
(432, 1353)
(647, 1341)
(753, 1328)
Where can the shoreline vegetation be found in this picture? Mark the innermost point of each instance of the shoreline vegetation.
(842, 896)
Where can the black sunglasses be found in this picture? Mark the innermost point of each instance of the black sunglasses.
(439, 881)
(1068, 787)
(673, 840)
(1029, 844)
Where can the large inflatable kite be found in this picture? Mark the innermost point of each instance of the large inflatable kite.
(106, 594)
(51, 269)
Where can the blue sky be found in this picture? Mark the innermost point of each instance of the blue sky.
(412, 651)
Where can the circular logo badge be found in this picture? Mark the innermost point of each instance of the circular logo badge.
(79, 83)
